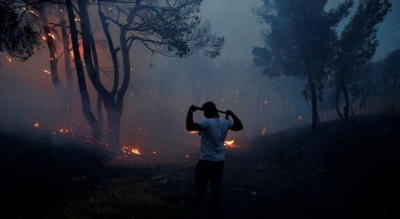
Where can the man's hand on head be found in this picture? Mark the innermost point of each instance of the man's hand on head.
(193, 108)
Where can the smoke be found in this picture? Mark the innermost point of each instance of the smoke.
(162, 89)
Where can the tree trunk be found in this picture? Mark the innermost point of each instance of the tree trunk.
(67, 62)
(51, 45)
(337, 104)
(346, 97)
(114, 127)
(113, 106)
(119, 100)
(99, 105)
(86, 107)
(393, 95)
(258, 108)
(314, 102)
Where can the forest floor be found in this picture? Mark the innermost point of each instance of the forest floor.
(342, 171)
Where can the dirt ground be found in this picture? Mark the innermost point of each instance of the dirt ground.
(342, 171)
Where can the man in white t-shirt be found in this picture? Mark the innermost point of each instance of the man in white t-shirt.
(210, 165)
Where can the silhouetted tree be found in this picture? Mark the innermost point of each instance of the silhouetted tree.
(356, 45)
(299, 43)
(19, 36)
(170, 28)
(85, 99)
(47, 12)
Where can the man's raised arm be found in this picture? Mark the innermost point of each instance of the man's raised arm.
(237, 124)
(190, 124)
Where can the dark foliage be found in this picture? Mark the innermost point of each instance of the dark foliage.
(18, 35)
(299, 42)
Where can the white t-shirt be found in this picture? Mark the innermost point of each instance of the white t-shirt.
(213, 134)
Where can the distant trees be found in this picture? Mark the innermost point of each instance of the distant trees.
(384, 79)
(302, 42)
(391, 75)
(299, 42)
(391, 71)
(19, 36)
(356, 46)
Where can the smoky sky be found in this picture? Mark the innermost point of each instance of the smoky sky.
(234, 20)
(162, 89)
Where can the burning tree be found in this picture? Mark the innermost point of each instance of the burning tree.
(299, 43)
(41, 20)
(52, 35)
(170, 28)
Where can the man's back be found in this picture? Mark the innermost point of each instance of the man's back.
(213, 134)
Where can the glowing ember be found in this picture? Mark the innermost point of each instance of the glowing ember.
(9, 58)
(193, 132)
(34, 13)
(36, 125)
(46, 71)
(264, 131)
(128, 150)
(64, 131)
(51, 35)
(229, 143)
(135, 151)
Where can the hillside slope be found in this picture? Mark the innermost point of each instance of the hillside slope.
(342, 171)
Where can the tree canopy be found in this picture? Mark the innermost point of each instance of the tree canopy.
(18, 34)
(299, 42)
(170, 28)
(356, 45)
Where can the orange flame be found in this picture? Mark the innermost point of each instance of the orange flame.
(229, 143)
(36, 125)
(135, 151)
(51, 35)
(129, 150)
